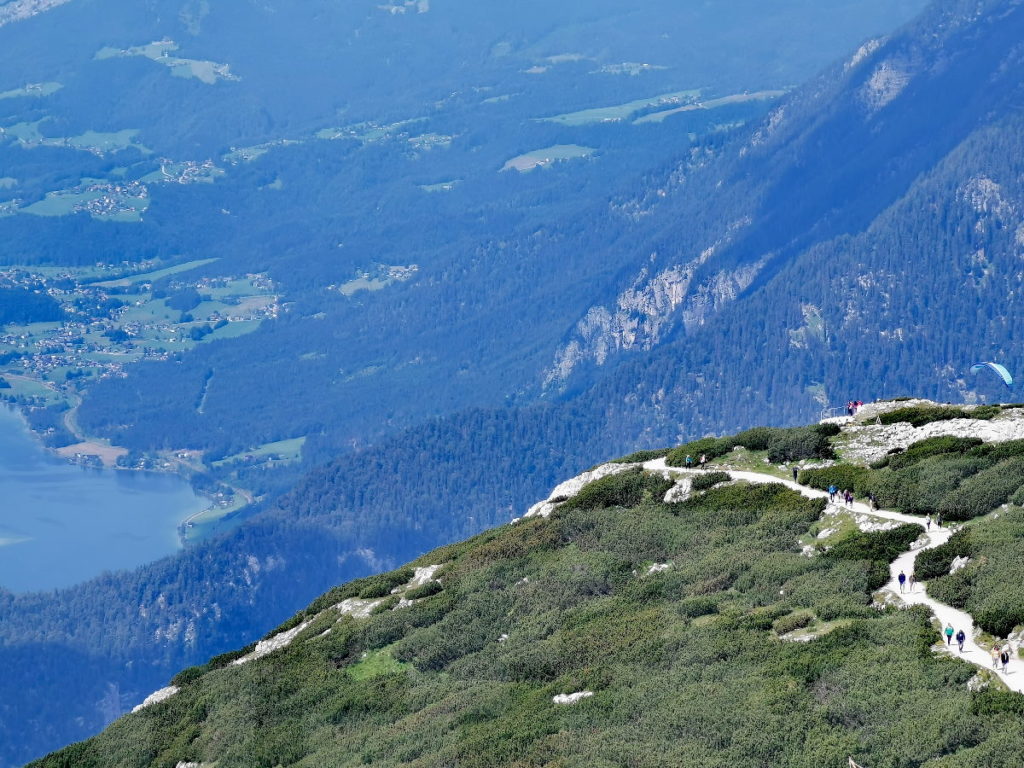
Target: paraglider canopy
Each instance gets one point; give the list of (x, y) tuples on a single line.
[(999, 369)]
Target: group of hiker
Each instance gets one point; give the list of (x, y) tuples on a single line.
[(852, 406), (1000, 654), (845, 497)]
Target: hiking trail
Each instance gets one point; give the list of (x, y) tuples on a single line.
[(946, 614)]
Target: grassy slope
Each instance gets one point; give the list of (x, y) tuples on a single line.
[(685, 665)]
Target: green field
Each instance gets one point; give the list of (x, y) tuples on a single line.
[(248, 154), (367, 133), (33, 89), (188, 172), (103, 201), (148, 277), (22, 387), (208, 72), (98, 142), (442, 186), (539, 158), (736, 98), (211, 520), (285, 450), (353, 287), (621, 111), (631, 68)]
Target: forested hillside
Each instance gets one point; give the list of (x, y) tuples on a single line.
[(648, 619)]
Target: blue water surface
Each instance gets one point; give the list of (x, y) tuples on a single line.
[(61, 524)]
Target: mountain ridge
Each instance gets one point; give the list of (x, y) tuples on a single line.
[(470, 652)]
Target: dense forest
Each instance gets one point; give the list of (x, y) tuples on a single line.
[(23, 306)]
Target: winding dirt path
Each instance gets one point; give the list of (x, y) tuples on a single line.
[(946, 614)]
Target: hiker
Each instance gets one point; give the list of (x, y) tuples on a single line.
[(960, 637), (994, 653), (872, 504), (902, 579), (949, 633), (832, 490), (1004, 657), (689, 461), (912, 581), (703, 460), (938, 521), (928, 523), (796, 471), (848, 497)]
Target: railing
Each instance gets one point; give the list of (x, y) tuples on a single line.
[(831, 413)]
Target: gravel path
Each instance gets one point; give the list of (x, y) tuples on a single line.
[(946, 614)]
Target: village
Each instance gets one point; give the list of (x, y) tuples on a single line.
[(112, 321)]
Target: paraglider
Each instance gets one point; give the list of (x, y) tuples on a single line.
[(999, 369)]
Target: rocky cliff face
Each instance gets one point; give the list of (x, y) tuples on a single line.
[(18, 10)]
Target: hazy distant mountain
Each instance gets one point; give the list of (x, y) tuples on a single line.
[(865, 240)]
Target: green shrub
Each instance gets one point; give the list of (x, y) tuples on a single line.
[(385, 605), (188, 675), (709, 480), (289, 623), (625, 489), (224, 659), (919, 415), (802, 443), (989, 702), (642, 456), (1000, 613), (710, 447), (878, 574), (933, 563), (792, 622), (921, 487), (758, 438), (841, 475), (424, 590), (875, 545), (999, 451), (985, 491), (381, 586), (932, 446), (1018, 498), (701, 605)]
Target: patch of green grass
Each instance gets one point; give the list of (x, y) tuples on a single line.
[(621, 111), (540, 158), (156, 274), (723, 101), (212, 520), (283, 450), (36, 90), (208, 72), (375, 664)]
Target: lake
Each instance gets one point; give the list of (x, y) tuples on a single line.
[(61, 524)]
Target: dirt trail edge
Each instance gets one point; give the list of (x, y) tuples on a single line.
[(946, 614)]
